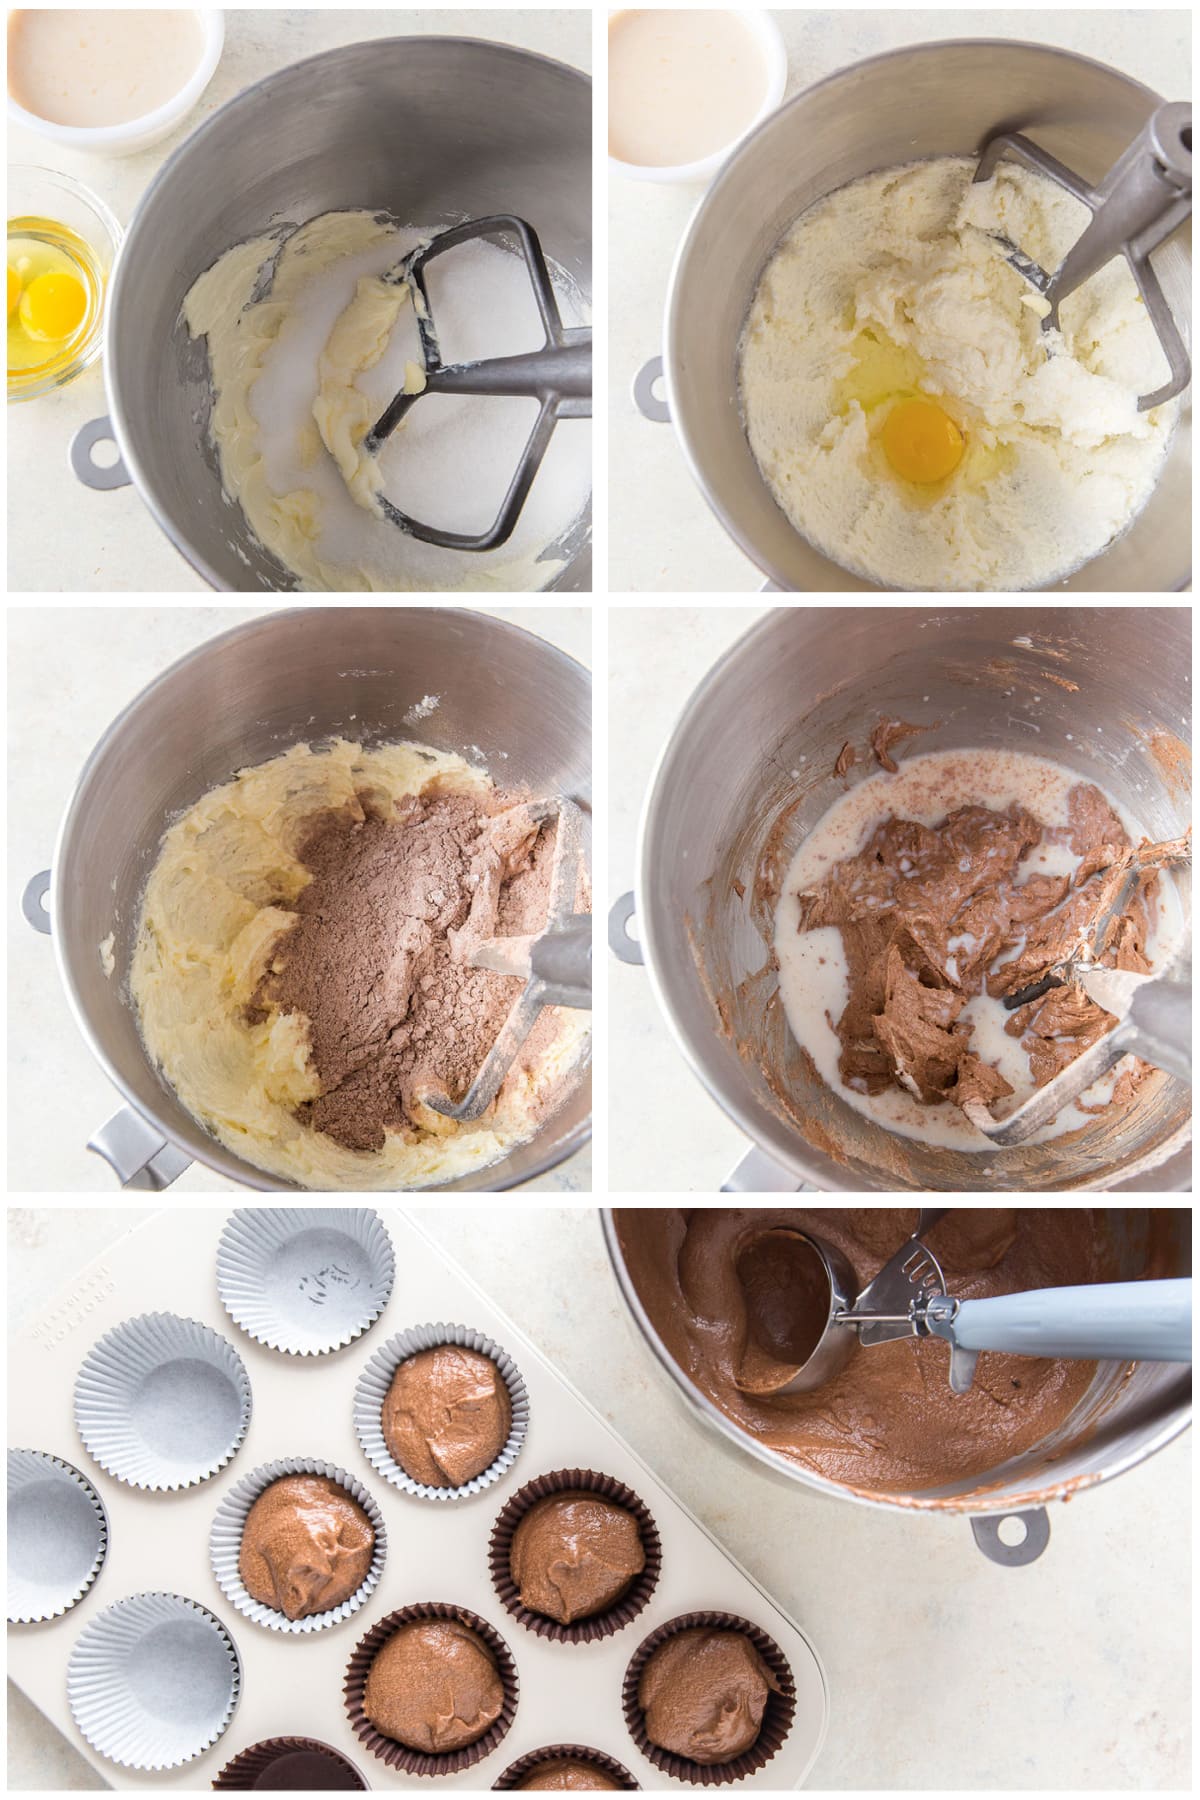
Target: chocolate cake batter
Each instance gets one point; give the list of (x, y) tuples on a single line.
[(888, 1421), (447, 1415), (306, 1546), (574, 1555), (434, 1686), (567, 1775), (933, 916), (703, 1694), (378, 960)]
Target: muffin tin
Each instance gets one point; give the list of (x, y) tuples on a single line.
[(304, 1406)]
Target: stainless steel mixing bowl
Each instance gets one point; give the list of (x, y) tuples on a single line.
[(1119, 1422), (506, 698), (431, 130), (749, 769), (933, 100)]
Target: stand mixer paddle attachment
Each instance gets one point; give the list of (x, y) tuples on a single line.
[(1149, 1321), (558, 376), (1144, 197), (555, 963)]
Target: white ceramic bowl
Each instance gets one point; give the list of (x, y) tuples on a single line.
[(770, 39), (136, 134)]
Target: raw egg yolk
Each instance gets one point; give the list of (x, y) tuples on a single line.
[(14, 290), (921, 442), (53, 306)]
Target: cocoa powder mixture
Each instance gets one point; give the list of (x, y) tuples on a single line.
[(925, 912), (378, 960)]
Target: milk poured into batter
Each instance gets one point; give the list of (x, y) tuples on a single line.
[(813, 966)]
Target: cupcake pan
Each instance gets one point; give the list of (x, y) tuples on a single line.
[(305, 1280), (376, 1379), (293, 1685), (225, 1544), (57, 1536)]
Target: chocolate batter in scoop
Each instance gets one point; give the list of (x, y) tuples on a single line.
[(306, 1546), (931, 916), (888, 1422), (703, 1694), (379, 959)]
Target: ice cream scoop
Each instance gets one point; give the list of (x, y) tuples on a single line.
[(1131, 1320)]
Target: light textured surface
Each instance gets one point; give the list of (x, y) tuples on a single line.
[(944, 1670), (101, 658), (656, 657), (663, 537), (62, 536)]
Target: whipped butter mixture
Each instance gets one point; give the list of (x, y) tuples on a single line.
[(308, 343), (908, 412), (302, 970), (928, 894)]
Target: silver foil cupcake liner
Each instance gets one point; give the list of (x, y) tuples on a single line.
[(225, 1544), (611, 1618), (428, 1762), (533, 1760), (777, 1717), (162, 1402), (57, 1536), (297, 1764), (376, 1379), (305, 1280), (154, 1681)]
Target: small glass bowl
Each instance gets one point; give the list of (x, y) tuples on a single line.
[(45, 194)]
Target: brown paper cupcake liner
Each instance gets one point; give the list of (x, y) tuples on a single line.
[(617, 1616), (525, 1765), (246, 1769), (399, 1756), (777, 1719)]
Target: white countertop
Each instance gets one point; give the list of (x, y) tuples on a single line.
[(663, 537), (944, 1670), (64, 538), (94, 660)]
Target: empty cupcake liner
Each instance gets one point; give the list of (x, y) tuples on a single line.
[(153, 1681), (162, 1402), (305, 1280), (777, 1719), (533, 1760), (376, 1379), (225, 1544), (399, 1756), (57, 1536), (295, 1764), (600, 1625)]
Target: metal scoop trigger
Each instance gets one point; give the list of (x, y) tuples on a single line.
[(1144, 197), (559, 375)]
